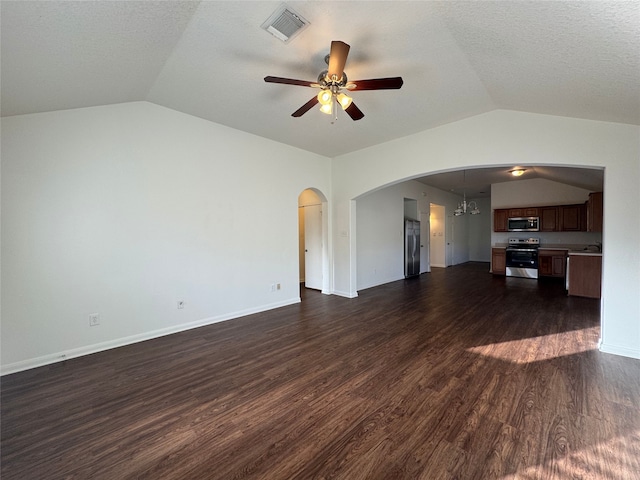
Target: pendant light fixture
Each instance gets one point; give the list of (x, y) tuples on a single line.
[(471, 208)]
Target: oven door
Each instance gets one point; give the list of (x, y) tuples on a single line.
[(522, 257)]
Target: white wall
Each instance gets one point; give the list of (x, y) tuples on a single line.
[(479, 229), (380, 227), (122, 210), (504, 138)]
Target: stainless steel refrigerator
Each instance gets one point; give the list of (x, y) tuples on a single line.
[(411, 248)]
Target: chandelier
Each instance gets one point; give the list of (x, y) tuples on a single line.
[(471, 208)]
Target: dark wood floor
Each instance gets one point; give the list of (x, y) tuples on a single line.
[(454, 375)]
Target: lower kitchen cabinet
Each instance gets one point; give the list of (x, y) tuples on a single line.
[(498, 261), (551, 263), (585, 275)]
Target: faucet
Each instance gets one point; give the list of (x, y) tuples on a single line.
[(598, 245)]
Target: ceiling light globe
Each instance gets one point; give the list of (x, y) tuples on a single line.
[(325, 97), (327, 109), (344, 100)]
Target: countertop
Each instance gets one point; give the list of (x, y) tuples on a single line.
[(570, 249), (573, 249)]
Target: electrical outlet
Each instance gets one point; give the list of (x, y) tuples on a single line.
[(94, 319), (180, 304)]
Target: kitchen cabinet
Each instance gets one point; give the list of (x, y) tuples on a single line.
[(551, 263), (549, 219), (498, 261), (500, 220), (557, 218), (585, 275), (573, 218), (594, 212), (524, 212)]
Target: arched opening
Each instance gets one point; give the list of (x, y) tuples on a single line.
[(313, 253), (451, 240)]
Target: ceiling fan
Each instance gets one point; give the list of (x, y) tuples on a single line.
[(333, 81)]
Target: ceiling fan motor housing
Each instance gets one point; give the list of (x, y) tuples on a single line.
[(325, 81)]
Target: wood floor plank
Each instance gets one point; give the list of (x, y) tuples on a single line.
[(455, 374)]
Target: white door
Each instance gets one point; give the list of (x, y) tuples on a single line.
[(451, 239), (313, 246), (424, 243)]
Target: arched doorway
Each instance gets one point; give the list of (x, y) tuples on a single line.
[(313, 240)]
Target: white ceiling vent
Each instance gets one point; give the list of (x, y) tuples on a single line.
[(285, 23)]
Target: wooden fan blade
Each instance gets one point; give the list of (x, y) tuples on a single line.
[(305, 108), (354, 112), (337, 59), (289, 81), (390, 83)]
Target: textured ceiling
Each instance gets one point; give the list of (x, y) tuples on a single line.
[(208, 59)]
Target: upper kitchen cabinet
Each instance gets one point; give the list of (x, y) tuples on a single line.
[(549, 219), (594, 212), (500, 220), (573, 218), (524, 212), (556, 218)]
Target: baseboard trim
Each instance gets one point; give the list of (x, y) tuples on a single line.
[(617, 350), (345, 294), (121, 342)]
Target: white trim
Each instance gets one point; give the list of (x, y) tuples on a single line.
[(617, 350), (345, 294), (382, 282), (121, 342)]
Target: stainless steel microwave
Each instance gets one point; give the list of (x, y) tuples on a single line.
[(523, 224)]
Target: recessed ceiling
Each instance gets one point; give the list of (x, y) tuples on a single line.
[(208, 59)]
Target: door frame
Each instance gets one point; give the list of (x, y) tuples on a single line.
[(317, 197)]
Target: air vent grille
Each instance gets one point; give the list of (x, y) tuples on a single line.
[(285, 24)]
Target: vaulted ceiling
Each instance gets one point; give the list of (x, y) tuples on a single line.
[(208, 59)]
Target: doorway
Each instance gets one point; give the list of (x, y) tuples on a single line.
[(312, 244), (437, 237)]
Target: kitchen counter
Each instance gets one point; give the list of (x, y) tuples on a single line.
[(584, 274), (572, 249)]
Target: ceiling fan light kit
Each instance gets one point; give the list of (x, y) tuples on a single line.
[(333, 80)]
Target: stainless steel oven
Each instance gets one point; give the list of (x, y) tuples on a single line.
[(522, 257)]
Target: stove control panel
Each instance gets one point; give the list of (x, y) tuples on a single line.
[(532, 241)]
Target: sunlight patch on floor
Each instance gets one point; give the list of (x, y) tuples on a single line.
[(536, 349), (615, 458)]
